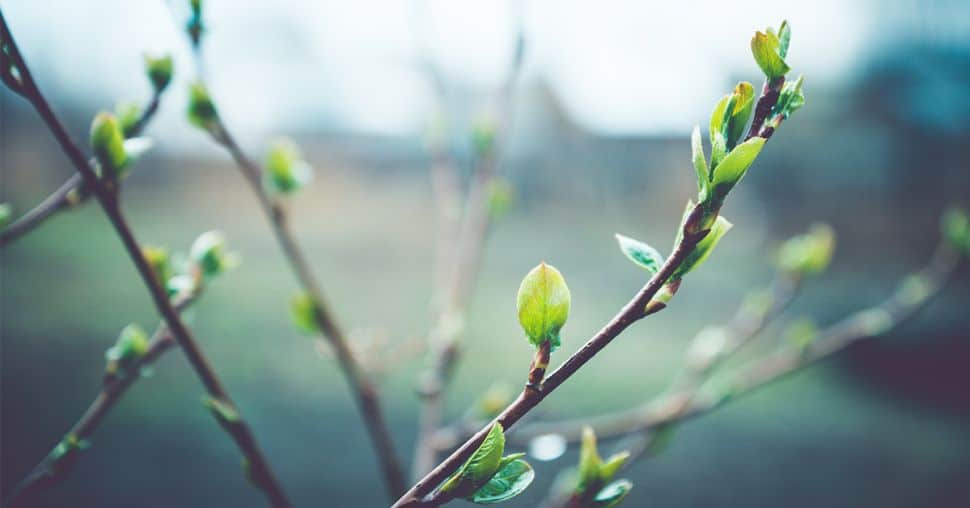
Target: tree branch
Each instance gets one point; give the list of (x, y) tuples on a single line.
[(71, 193), (457, 266), (261, 474)]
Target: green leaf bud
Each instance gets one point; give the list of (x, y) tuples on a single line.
[(128, 113), (769, 52), (159, 261), (108, 144), (742, 103), (480, 467), (131, 345), (303, 313), (956, 229), (159, 70), (641, 254), (286, 171), (209, 253), (543, 304), (808, 254), (6, 214), (594, 472), (613, 494), (704, 248), (700, 163), (202, 111)]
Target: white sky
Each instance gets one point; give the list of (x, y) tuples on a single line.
[(621, 67)]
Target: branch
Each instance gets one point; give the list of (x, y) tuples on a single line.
[(71, 193), (364, 391), (53, 469), (633, 311), (259, 469), (914, 294), (455, 274)]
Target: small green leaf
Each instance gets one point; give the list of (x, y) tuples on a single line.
[(108, 145), (784, 37), (790, 100), (704, 248), (613, 494), (512, 478), (612, 465), (743, 103), (6, 214), (640, 253), (500, 197), (700, 163), (956, 229), (303, 312), (286, 171), (543, 303), (128, 114), (718, 138), (766, 48), (159, 70), (589, 462), (209, 253), (63, 455), (729, 171), (809, 253), (194, 26), (202, 111), (224, 412), (480, 466), (131, 345), (158, 259)]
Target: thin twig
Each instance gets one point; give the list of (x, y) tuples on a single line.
[(71, 193), (530, 397), (676, 407), (259, 469), (457, 260), (44, 475)]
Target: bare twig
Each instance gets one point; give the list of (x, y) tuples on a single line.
[(50, 471), (259, 468), (457, 259), (633, 311), (914, 294), (363, 388), (71, 193)]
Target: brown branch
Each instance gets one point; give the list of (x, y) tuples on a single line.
[(530, 397), (364, 391), (71, 193), (458, 256), (47, 473), (261, 473), (676, 407)]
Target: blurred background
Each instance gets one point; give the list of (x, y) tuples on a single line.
[(598, 144)]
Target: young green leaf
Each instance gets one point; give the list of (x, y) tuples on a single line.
[(512, 478), (640, 253), (286, 171), (767, 51), (131, 345), (209, 253), (224, 412), (480, 467), (718, 137), (543, 303), (160, 262), (159, 70), (729, 171), (808, 254), (202, 111), (613, 494), (790, 100), (704, 248), (593, 472), (108, 144), (303, 312), (956, 229), (6, 214), (700, 163), (784, 37), (128, 114), (743, 103)]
